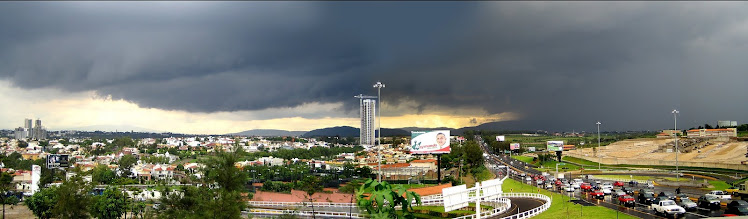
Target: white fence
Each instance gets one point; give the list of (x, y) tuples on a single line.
[(504, 204), (269, 213), (531, 212), (300, 204)]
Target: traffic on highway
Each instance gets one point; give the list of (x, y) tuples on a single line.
[(644, 200)]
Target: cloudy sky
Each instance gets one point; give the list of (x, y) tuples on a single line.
[(220, 67)]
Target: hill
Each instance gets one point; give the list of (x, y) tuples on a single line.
[(268, 132), (347, 131)]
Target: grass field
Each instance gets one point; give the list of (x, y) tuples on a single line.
[(549, 166), (560, 207), (719, 185), (624, 177)]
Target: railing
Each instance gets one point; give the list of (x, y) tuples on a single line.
[(300, 204), (532, 212), (505, 204), (325, 214)]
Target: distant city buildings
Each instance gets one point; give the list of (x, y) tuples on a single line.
[(28, 132), (366, 133)]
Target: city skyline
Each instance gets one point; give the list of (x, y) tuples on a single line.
[(226, 67)]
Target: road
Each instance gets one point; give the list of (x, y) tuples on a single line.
[(640, 210)]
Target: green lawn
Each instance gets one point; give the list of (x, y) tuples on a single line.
[(549, 166), (624, 177), (719, 185), (525, 159), (579, 161), (560, 207)]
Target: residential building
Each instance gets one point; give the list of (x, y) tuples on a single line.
[(367, 112)]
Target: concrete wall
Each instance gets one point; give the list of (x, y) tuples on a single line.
[(649, 162)]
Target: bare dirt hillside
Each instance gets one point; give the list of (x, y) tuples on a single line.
[(729, 152)]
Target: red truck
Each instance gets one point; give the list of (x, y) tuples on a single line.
[(598, 194), (585, 187), (626, 200)]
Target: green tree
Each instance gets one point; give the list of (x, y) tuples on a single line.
[(73, 199), (110, 205), (374, 202), (227, 200), (311, 184), (42, 202), (6, 184), (101, 174), (186, 202), (126, 162)]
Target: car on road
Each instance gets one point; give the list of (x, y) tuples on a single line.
[(668, 195), (737, 207), (667, 207), (628, 190), (598, 194), (709, 201), (585, 187), (650, 185), (646, 191), (626, 200), (617, 192), (681, 197), (687, 204), (720, 194), (732, 190), (569, 188), (618, 183), (646, 198)]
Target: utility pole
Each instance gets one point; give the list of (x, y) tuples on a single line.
[(379, 87), (599, 158), (675, 118)]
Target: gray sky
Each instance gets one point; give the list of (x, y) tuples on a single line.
[(232, 66)]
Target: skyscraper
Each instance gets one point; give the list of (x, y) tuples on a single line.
[(28, 128), (367, 112)]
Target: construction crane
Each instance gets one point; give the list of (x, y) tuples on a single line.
[(361, 96)]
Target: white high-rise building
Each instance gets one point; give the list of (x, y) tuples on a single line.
[(367, 112)]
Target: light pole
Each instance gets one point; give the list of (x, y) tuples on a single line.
[(379, 87), (675, 133), (599, 158)]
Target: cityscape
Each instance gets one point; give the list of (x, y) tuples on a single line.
[(460, 109)]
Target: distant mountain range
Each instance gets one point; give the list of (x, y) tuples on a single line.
[(347, 131), (269, 132), (114, 128)]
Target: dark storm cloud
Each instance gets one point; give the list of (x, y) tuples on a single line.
[(559, 65)]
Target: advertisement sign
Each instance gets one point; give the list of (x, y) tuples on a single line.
[(555, 145), (57, 161), (499, 138), (531, 149), (514, 146), (429, 142)]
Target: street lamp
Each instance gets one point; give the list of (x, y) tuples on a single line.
[(675, 133), (599, 158), (379, 87)]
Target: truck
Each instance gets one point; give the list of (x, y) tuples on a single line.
[(668, 208)]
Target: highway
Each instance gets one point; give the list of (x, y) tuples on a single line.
[(640, 210)]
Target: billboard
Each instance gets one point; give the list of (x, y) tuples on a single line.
[(429, 142), (499, 138), (555, 145), (57, 161), (727, 123), (531, 149), (514, 146)]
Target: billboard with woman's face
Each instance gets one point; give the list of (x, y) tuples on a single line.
[(429, 142)]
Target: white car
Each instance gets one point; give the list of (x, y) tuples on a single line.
[(720, 195), (568, 188), (576, 185), (606, 191)]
